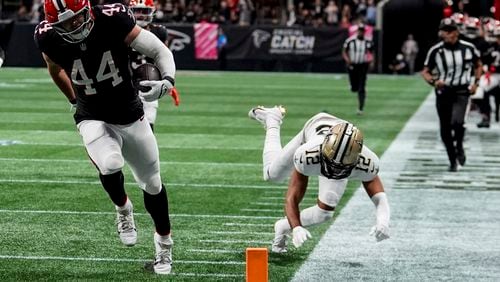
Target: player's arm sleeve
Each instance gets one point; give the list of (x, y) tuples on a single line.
[(149, 45)]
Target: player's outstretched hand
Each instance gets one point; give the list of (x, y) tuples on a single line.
[(380, 231), (158, 89), (300, 235)]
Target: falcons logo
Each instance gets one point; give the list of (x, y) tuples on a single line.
[(259, 37)]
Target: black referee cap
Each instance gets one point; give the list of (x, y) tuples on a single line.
[(448, 24)]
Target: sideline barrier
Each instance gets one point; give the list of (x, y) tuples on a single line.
[(256, 48)]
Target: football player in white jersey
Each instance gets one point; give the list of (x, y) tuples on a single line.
[(327, 147)]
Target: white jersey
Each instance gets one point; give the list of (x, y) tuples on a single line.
[(307, 157)]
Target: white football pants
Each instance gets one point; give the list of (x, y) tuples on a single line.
[(150, 110), (108, 145)]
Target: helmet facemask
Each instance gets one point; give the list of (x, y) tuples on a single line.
[(143, 15), (74, 27), (340, 151)]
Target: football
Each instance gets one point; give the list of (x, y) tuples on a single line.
[(145, 71)]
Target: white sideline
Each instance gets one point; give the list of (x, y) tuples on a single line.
[(436, 234)]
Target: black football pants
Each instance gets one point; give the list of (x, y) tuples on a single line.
[(451, 104), (357, 78)]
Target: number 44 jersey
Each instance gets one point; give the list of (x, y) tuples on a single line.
[(98, 66), (307, 157)]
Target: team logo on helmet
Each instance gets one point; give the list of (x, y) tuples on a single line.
[(340, 151), (70, 19)]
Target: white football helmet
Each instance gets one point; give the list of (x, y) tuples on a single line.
[(143, 11)]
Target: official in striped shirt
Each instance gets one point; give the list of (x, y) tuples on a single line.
[(358, 54), (453, 68)]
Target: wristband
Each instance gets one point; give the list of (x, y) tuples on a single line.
[(170, 79), (432, 81), (72, 101)]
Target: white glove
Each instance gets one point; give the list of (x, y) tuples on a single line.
[(158, 89), (380, 231), (300, 235)]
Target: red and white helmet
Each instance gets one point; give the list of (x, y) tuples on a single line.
[(143, 11), (472, 27), (70, 18)]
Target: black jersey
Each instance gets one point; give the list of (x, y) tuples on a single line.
[(98, 66), (136, 58), (492, 58)]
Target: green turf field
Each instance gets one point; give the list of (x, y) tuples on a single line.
[(57, 224)]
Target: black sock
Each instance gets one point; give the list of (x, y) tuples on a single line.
[(157, 206), (114, 184)]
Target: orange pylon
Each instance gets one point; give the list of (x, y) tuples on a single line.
[(257, 267)]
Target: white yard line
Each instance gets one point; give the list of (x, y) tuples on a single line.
[(187, 185), (261, 210), (137, 214), (162, 162), (236, 242), (117, 260), (241, 232), (218, 251), (246, 224), (222, 147)]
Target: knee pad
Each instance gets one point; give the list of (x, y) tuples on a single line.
[(329, 198), (153, 185), (314, 215), (273, 177), (113, 163)]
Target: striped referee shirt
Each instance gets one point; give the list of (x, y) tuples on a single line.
[(454, 65), (358, 49)]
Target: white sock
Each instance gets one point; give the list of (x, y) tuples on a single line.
[(164, 239), (308, 217), (272, 149), (282, 227), (125, 208)]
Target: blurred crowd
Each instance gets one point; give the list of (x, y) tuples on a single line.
[(239, 12)]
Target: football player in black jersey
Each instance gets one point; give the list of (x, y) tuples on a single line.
[(86, 51)]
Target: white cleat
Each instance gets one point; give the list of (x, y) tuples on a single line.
[(261, 114), (126, 227), (163, 257), (280, 239)]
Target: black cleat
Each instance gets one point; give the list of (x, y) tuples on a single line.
[(461, 156), (453, 168), (484, 124)]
